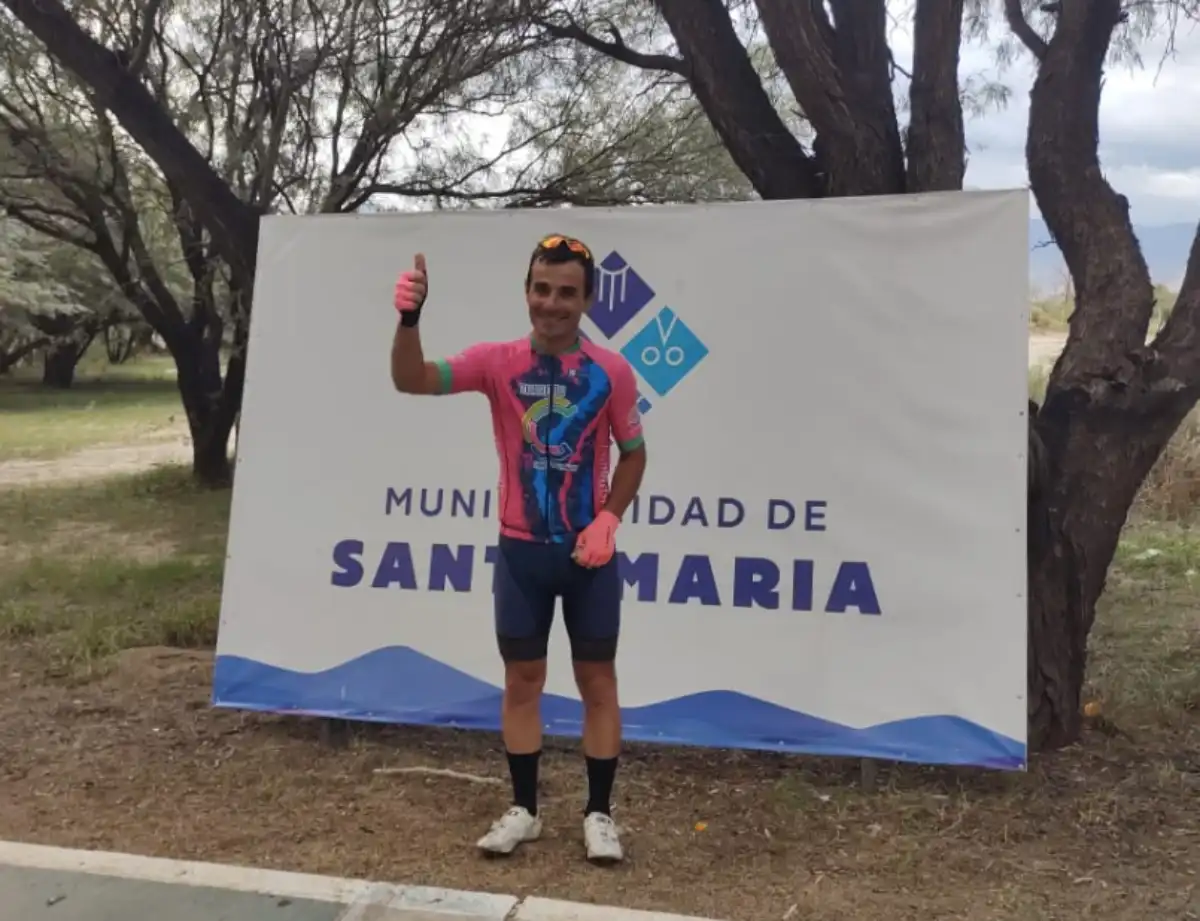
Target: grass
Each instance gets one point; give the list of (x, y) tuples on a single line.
[(109, 404), (90, 570), (1145, 648)]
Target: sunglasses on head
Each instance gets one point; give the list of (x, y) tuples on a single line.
[(575, 246)]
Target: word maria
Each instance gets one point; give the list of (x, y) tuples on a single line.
[(693, 511), (749, 582)]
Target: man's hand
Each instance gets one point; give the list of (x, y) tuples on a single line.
[(411, 290), (597, 542)]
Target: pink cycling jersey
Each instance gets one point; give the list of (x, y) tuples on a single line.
[(555, 418)]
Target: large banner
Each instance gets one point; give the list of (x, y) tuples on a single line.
[(828, 552)]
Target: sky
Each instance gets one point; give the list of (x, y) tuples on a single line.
[(1149, 128), (1149, 123)]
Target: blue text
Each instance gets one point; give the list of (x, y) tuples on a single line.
[(756, 582)]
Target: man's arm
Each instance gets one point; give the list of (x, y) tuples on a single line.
[(462, 373), (411, 373), (627, 480), (631, 441)]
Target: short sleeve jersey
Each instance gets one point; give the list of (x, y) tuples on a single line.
[(555, 419)]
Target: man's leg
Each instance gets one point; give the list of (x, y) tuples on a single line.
[(524, 611), (521, 721), (592, 614)]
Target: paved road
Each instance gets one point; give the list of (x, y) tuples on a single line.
[(55, 895), (39, 883), (31, 894)]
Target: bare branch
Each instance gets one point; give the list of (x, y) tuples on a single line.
[(1023, 30), (144, 36), (616, 48)]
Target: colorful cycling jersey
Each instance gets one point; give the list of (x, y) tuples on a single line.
[(554, 418)]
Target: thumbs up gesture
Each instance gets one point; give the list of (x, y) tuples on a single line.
[(411, 289)]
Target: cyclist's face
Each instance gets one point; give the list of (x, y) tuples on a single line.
[(556, 299)]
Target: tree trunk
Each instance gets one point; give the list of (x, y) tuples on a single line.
[(59, 361), (62, 356), (729, 90), (211, 405), (936, 136), (1112, 402), (1100, 452), (211, 465), (212, 402)]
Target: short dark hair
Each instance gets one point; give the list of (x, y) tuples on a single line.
[(563, 252)]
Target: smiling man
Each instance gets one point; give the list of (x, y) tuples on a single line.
[(558, 403)]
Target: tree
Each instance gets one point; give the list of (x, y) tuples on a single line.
[(234, 111), (1112, 402), (589, 133), (52, 302)]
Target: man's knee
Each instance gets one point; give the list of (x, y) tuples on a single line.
[(597, 683), (523, 681), (589, 651), (522, 650)]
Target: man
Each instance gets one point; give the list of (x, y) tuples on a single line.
[(555, 399)]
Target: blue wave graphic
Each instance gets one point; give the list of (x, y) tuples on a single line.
[(397, 684)]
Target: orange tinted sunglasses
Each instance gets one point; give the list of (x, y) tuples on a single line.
[(557, 240)]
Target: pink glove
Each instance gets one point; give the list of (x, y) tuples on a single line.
[(597, 542), (410, 292)]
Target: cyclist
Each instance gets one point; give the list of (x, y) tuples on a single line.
[(558, 401)]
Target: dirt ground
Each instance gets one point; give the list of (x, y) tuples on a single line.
[(139, 761), (1044, 348), (172, 446)]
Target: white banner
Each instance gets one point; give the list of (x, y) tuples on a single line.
[(828, 552)]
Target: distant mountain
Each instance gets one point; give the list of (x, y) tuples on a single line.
[(1165, 247)]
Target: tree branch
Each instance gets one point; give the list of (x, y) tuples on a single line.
[(1023, 30), (1179, 338), (615, 49), (840, 73), (1088, 219), (731, 93), (144, 36)]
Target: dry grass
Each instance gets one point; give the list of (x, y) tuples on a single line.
[(1050, 314), (110, 742), (1172, 490)]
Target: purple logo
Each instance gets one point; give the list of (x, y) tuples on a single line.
[(620, 295)]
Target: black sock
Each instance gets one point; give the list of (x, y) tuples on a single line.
[(524, 772), (601, 773)]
